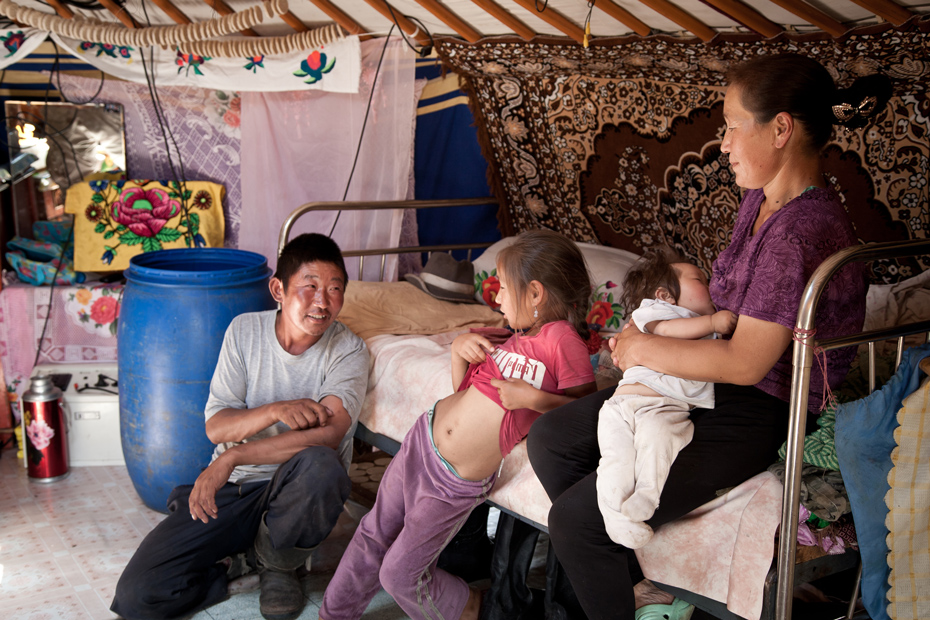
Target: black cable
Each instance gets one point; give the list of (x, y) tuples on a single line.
[(358, 149), (103, 79), (544, 6), (51, 295), (403, 35)]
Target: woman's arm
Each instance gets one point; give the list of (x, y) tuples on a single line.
[(743, 360)]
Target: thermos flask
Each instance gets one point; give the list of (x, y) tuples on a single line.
[(45, 433)]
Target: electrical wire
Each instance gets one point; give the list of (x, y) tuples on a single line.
[(358, 148), (51, 296), (103, 79)]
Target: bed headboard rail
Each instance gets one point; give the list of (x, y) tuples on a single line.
[(284, 235), (804, 347)]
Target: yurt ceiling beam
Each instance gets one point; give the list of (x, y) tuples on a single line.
[(172, 11), (624, 17), (224, 9), (120, 13), (504, 17), (339, 16), (749, 17), (451, 20), (682, 18), (887, 10), (395, 16), (61, 9), (813, 16), (291, 20), (554, 19)]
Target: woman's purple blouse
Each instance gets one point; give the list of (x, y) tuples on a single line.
[(764, 275)]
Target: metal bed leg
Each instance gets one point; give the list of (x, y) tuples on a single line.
[(850, 612)]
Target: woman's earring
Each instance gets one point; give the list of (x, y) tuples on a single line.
[(535, 313)]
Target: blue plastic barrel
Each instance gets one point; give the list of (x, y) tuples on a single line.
[(175, 310)]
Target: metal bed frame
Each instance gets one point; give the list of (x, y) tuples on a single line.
[(785, 573)]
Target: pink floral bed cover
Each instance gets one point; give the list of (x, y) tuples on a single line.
[(722, 550)]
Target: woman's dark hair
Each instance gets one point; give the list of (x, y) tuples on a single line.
[(308, 248), (654, 270), (556, 263), (803, 88)]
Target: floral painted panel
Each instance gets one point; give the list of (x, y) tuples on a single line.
[(116, 220), (619, 144)]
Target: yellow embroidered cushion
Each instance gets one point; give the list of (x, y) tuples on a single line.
[(116, 220)]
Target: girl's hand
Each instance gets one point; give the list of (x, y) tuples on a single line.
[(723, 322), (471, 347), (516, 393)]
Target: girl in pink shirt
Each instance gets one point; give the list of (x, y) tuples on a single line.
[(449, 460)]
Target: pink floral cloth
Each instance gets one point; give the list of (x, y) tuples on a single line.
[(82, 328)]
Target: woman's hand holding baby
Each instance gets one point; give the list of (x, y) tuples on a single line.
[(723, 322)]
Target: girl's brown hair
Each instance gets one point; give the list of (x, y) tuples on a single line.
[(654, 270), (556, 263)]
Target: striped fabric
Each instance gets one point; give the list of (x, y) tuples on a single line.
[(908, 502), (25, 80)]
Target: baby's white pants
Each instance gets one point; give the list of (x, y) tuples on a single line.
[(639, 438)]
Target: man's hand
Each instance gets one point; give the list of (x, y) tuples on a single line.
[(202, 501), (302, 413), (516, 393), (723, 322), (471, 347)]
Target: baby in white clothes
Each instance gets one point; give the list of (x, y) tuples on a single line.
[(645, 424)]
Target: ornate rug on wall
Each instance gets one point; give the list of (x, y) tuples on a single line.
[(619, 144)]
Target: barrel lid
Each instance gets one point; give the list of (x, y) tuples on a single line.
[(41, 389), (202, 267)]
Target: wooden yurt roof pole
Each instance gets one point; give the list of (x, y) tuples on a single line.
[(749, 17), (451, 20), (813, 16), (624, 17), (554, 19), (886, 9), (291, 20), (172, 11), (339, 16), (61, 9), (682, 18), (402, 22), (504, 17), (224, 9), (120, 12)]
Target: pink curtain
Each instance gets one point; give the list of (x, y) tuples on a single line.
[(299, 147)]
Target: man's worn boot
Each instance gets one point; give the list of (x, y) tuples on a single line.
[(281, 597)]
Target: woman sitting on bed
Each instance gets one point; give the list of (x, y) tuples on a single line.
[(779, 113)]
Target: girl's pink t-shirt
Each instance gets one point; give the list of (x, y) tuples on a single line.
[(553, 360)]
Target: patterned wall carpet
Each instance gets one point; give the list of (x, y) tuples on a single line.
[(619, 144)]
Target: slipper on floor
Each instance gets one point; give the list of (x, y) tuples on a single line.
[(678, 610)]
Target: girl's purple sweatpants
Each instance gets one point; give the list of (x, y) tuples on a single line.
[(421, 505)]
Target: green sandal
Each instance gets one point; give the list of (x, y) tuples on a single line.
[(678, 610)]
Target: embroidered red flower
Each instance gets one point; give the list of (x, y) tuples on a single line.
[(104, 310), (231, 118), (145, 211), (203, 199), (93, 213), (489, 290), (600, 313)]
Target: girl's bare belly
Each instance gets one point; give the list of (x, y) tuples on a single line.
[(466, 430)]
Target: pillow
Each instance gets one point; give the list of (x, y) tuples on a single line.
[(376, 308), (608, 267)]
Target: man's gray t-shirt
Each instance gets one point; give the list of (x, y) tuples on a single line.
[(254, 370)]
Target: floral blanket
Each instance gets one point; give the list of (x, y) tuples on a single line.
[(116, 220)]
